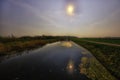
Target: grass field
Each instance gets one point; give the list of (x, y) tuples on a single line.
[(109, 56)]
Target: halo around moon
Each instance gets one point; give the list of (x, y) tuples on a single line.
[(70, 9)]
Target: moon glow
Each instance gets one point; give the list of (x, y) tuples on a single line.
[(70, 9)]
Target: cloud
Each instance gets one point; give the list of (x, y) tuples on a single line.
[(36, 12)]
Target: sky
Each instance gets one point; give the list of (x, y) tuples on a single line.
[(82, 18)]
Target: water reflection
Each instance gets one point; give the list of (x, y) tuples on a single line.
[(14, 54), (70, 66), (67, 44)]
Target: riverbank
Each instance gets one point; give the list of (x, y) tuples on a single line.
[(17, 45), (109, 56)]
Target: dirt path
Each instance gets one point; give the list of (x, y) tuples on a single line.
[(109, 44)]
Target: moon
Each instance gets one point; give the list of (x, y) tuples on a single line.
[(70, 9)]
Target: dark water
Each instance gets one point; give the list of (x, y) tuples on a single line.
[(56, 61)]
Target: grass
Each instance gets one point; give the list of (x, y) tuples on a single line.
[(9, 45), (97, 72), (109, 56)]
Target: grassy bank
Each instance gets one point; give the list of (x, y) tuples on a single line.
[(10, 45), (109, 56)]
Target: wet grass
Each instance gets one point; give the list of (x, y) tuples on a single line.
[(94, 70), (97, 72), (109, 56)]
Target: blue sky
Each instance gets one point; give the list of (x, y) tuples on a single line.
[(92, 18)]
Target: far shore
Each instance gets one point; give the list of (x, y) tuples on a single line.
[(9, 45)]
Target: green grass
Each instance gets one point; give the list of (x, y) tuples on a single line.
[(109, 56)]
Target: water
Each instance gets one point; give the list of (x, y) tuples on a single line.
[(56, 61)]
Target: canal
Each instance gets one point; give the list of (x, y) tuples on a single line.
[(56, 61)]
